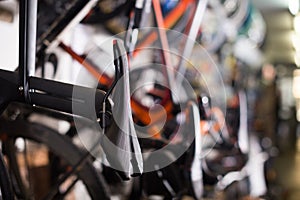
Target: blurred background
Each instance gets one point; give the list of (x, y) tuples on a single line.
[(266, 52), (281, 49)]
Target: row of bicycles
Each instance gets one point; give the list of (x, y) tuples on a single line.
[(155, 106)]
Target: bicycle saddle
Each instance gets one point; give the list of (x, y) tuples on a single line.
[(120, 143)]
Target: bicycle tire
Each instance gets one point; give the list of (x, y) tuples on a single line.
[(60, 145), (5, 184)]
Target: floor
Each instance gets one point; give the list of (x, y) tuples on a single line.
[(287, 166)]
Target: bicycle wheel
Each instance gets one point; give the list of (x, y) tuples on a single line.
[(5, 185), (64, 155)]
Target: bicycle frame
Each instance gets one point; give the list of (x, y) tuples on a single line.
[(140, 111), (21, 86)]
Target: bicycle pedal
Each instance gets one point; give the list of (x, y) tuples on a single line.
[(6, 15)]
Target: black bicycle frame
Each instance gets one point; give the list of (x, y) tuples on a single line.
[(21, 86), (59, 25)]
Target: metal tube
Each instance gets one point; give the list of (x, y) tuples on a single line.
[(51, 38), (22, 46), (31, 36), (191, 38), (27, 40)]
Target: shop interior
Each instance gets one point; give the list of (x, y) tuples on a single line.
[(150, 99)]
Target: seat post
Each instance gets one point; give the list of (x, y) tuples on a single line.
[(27, 44)]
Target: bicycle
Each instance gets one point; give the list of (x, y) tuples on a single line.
[(22, 87), (140, 115), (239, 154), (162, 97)]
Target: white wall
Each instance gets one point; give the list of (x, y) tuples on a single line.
[(9, 41)]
